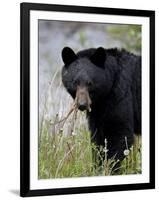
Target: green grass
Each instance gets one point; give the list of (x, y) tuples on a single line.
[(63, 155)]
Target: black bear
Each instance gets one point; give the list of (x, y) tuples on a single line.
[(107, 84)]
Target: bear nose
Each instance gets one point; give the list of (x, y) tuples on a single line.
[(82, 106)]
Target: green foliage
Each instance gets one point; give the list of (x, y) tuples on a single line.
[(65, 156), (71, 156), (129, 35)]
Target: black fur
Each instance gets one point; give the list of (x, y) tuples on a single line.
[(115, 92)]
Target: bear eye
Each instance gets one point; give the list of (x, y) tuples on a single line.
[(75, 82), (89, 83)]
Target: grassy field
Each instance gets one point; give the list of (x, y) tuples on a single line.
[(70, 155)]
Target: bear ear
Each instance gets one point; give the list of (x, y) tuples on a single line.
[(98, 58), (68, 55)]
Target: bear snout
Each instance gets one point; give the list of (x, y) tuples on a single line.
[(83, 100)]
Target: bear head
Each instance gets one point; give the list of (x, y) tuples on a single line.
[(84, 77)]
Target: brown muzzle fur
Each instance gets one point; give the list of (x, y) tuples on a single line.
[(83, 100)]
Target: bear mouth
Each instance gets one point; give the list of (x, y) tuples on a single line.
[(84, 108)]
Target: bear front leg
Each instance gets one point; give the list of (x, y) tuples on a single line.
[(117, 146), (118, 149), (119, 128)]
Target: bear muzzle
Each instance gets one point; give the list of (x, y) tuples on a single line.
[(82, 99)]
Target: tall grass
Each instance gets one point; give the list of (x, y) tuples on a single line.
[(65, 150), (71, 156)]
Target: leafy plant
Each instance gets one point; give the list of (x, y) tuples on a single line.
[(129, 35)]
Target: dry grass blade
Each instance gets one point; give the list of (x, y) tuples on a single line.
[(73, 108)]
